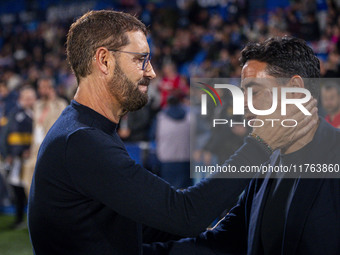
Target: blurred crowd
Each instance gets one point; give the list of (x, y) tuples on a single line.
[(186, 41)]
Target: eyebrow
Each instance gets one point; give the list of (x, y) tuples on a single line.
[(141, 55), (251, 84)]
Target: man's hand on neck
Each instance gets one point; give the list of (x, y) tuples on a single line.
[(303, 141)]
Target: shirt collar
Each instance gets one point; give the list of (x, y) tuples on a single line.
[(94, 119)]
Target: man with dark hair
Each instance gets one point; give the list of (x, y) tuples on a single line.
[(279, 213), (87, 195), (330, 99), (286, 57)]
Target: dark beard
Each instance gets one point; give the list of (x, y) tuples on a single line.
[(126, 92)]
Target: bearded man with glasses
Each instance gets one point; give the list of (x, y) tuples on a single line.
[(87, 195)]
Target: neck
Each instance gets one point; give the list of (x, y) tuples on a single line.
[(94, 94), (300, 143)]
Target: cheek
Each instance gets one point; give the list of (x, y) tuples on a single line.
[(263, 100), (136, 76), (132, 73)]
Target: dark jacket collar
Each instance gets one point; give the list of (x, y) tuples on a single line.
[(94, 119), (324, 140)]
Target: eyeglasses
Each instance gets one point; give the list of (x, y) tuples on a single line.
[(144, 60)]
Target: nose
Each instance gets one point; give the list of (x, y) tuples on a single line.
[(245, 96), (150, 72)]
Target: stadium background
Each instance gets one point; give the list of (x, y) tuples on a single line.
[(187, 39)]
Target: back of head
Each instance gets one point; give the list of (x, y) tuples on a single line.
[(95, 29), (286, 57)]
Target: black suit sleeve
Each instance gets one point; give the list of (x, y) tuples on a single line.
[(229, 236), (151, 235), (102, 170)]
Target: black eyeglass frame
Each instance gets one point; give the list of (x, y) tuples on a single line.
[(145, 61)]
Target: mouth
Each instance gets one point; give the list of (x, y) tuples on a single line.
[(143, 85), (143, 88)]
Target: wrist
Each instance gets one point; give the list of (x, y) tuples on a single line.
[(265, 146)]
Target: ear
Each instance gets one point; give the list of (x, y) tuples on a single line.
[(296, 82), (104, 60)]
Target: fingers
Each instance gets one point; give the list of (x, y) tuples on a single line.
[(311, 104), (281, 137), (306, 119), (298, 115), (304, 130), (306, 124)]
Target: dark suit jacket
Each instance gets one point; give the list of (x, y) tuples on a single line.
[(312, 225)]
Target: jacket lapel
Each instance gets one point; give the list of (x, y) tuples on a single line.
[(307, 189), (258, 202), (305, 194)]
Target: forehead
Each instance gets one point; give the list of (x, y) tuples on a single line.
[(254, 69), (254, 74), (44, 83), (27, 92), (137, 42)]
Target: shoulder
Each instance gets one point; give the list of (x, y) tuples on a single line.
[(328, 146), (93, 139), (334, 137), (96, 149), (336, 142), (16, 109), (85, 134)]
